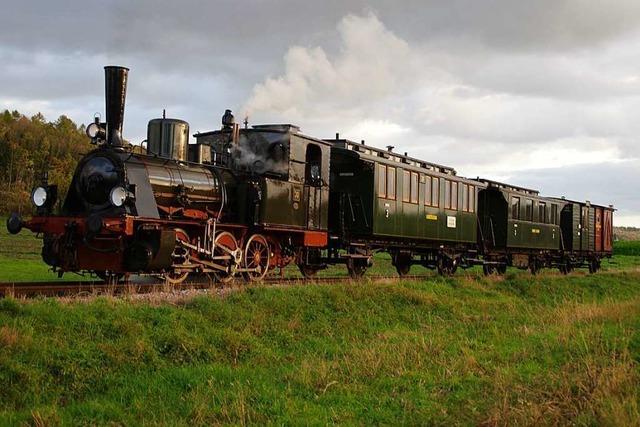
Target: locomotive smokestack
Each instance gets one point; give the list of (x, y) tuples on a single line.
[(115, 87)]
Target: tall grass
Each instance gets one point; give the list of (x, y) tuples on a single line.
[(629, 247), (466, 350)]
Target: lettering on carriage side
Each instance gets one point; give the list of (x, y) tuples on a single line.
[(451, 221), (346, 173), (296, 195), (535, 230), (432, 217)]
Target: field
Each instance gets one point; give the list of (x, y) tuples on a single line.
[(466, 350)]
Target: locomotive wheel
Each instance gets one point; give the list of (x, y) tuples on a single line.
[(225, 245), (256, 255), (179, 256)]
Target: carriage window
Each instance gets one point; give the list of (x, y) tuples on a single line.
[(382, 181), (414, 187), (454, 196), (427, 191), (447, 194), (406, 186), (391, 183), (472, 198), (465, 197), (542, 212), (528, 209), (515, 207), (554, 214), (435, 192)]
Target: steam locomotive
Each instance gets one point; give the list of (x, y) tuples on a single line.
[(246, 201)]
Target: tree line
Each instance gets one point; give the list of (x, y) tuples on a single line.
[(30, 146)]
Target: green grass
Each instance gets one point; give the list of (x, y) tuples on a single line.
[(627, 248), (20, 258), (467, 350)]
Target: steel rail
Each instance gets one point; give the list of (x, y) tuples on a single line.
[(71, 288)]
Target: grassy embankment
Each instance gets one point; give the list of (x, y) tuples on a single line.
[(546, 350)]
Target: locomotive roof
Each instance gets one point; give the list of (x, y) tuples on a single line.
[(284, 128)]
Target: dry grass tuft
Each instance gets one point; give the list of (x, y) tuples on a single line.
[(9, 337)]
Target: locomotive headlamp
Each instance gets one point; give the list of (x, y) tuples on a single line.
[(39, 196), (95, 131), (118, 196)]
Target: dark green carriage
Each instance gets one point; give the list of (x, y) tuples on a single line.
[(393, 198), (419, 212), (517, 218), (587, 232)]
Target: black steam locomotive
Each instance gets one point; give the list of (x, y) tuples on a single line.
[(244, 201)]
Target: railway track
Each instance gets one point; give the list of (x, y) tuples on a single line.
[(71, 288)]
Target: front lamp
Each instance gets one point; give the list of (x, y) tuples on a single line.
[(39, 196), (94, 131), (118, 196)]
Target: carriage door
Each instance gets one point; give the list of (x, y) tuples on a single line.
[(313, 185), (598, 229), (584, 229)]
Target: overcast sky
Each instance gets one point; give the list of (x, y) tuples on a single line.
[(543, 94)]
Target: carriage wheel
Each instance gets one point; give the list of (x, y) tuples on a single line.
[(488, 269), (308, 271), (356, 267), (180, 256), (402, 263), (534, 267), (225, 245), (446, 266), (256, 255), (501, 269)]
